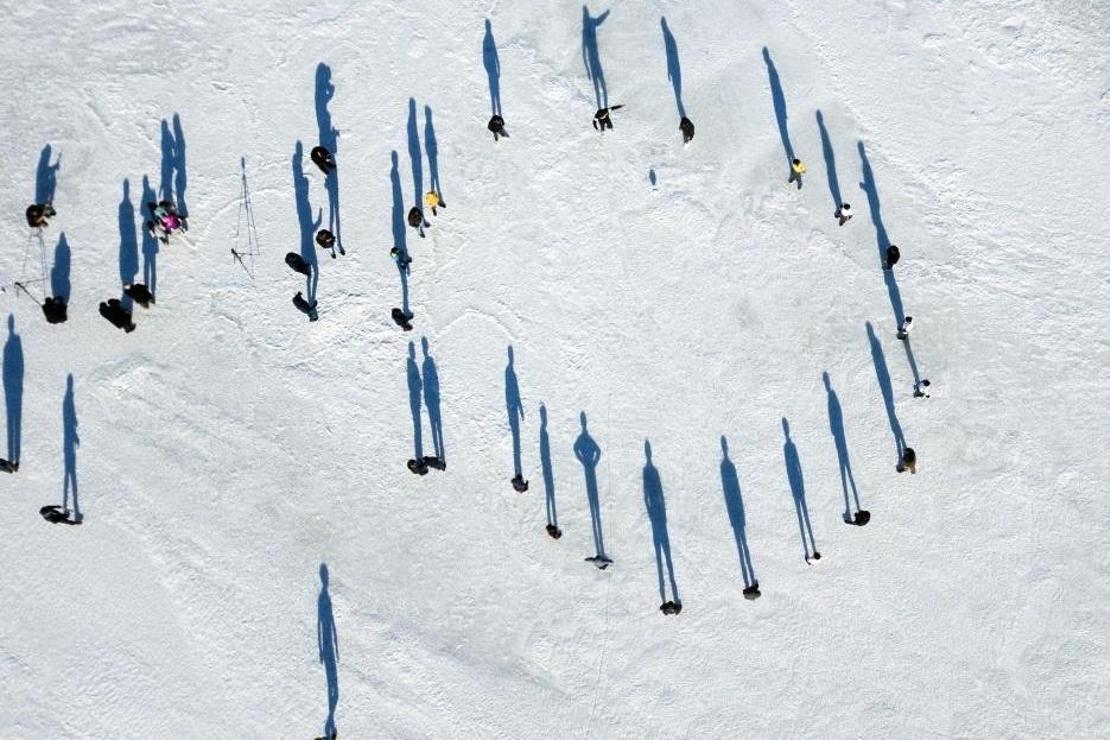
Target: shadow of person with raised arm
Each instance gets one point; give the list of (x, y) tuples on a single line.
[(150, 242), (128, 243), (327, 644), (399, 240), (674, 74), (657, 513), (548, 477), (329, 139), (836, 426), (13, 391), (492, 64), (432, 400), (416, 387), (588, 454), (778, 98), (308, 225), (415, 157), (70, 442), (883, 376), (734, 503), (46, 176), (591, 58), (798, 491), (868, 187), (515, 409), (830, 162), (432, 148), (181, 176)]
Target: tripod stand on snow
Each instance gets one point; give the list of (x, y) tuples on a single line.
[(246, 243)]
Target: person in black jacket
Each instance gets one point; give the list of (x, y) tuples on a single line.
[(497, 127), (686, 126), (119, 317), (37, 214), (892, 257), (55, 310), (322, 158)]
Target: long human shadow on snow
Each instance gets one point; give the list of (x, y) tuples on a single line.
[(589, 454), (169, 158), (674, 68), (327, 644), (883, 241), (591, 57), (308, 225), (778, 98), (416, 386), (13, 389), (398, 220), (798, 491), (830, 162), (548, 473), (59, 273), (46, 176), (432, 400), (150, 242), (515, 409), (885, 387), (128, 243), (415, 156), (329, 139), (657, 512), (492, 64), (70, 442), (180, 176), (836, 427), (432, 148), (734, 504)]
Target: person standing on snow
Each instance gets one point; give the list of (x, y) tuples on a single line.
[(908, 461), (432, 199), (497, 127), (892, 257), (416, 220), (904, 329), (38, 213), (686, 126), (602, 119), (797, 169), (844, 213)]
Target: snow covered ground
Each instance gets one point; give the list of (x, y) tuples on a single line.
[(228, 447)]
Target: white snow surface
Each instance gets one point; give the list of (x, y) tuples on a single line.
[(229, 447)]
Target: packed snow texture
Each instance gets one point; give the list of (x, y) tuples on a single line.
[(228, 447)]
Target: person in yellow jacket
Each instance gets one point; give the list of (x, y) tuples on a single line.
[(797, 169), (432, 199)]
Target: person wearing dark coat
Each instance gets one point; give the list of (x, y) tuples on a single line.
[(298, 264), (416, 220), (325, 239), (892, 257), (908, 462), (8, 467), (140, 294), (55, 310), (497, 127), (419, 467), (37, 214), (309, 309), (322, 158), (117, 315), (686, 126), (402, 319), (602, 119), (57, 515)]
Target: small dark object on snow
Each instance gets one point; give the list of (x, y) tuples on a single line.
[(417, 466), (37, 214), (8, 467), (435, 462), (671, 607), (56, 515), (601, 562), (860, 518), (416, 220), (908, 462), (751, 593), (55, 310), (322, 159), (602, 119), (816, 556), (325, 239), (402, 319), (892, 257), (519, 484), (309, 309), (140, 294), (497, 126), (554, 531), (298, 264), (119, 317), (686, 126), (917, 392)]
